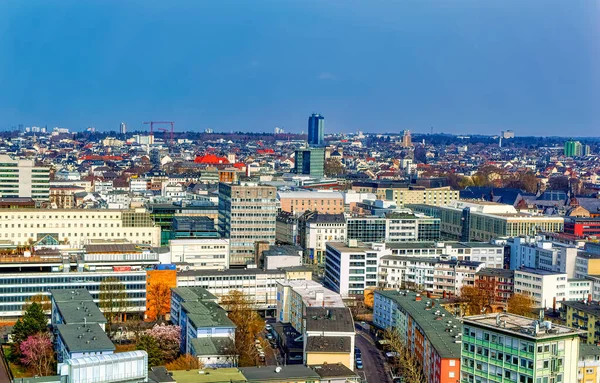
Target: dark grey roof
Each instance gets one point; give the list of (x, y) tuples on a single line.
[(326, 218), (282, 250), (295, 372), (588, 351), (330, 344), (80, 312), (333, 370), (194, 294), (491, 272), (209, 346), (70, 295), (592, 308), (338, 319), (84, 338), (159, 375)]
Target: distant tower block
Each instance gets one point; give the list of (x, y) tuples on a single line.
[(316, 130), (123, 128)]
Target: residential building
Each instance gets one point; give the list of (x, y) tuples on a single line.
[(164, 215), (573, 148), (329, 336), (260, 285), (316, 130), (511, 348), (206, 331), (401, 272), (77, 341), (294, 297), (548, 288), (310, 161), (75, 306), (583, 314), (298, 202), (246, 214), (490, 254), (63, 197), (500, 282), (419, 195), (22, 178), (542, 254), (352, 267), (484, 221), (200, 254), (286, 229), (588, 364), (316, 230), (78, 227), (587, 264), (450, 276), (394, 227), (427, 329)]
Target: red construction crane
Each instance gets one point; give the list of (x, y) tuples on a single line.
[(172, 123)]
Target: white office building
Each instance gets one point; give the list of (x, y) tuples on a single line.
[(548, 288), (200, 254)]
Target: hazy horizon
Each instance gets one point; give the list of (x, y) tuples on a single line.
[(465, 67)]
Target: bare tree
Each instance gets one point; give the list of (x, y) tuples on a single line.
[(112, 301), (407, 365)]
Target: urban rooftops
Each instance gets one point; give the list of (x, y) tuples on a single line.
[(516, 325), (335, 319), (84, 338)]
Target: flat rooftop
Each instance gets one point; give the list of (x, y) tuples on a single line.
[(335, 319), (79, 312), (194, 294), (537, 271), (84, 338), (289, 373), (209, 375), (70, 295), (517, 325), (329, 344), (434, 326), (315, 294)]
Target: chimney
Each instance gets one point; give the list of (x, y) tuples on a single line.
[(590, 298), (428, 295), (418, 298), (444, 294)]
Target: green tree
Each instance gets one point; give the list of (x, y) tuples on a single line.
[(150, 345), (112, 301), (32, 322)]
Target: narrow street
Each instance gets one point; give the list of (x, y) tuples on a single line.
[(375, 369)]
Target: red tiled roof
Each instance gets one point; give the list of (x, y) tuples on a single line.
[(211, 159), (95, 157)]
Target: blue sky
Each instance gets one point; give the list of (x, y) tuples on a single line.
[(462, 66)]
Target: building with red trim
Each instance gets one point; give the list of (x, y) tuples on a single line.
[(582, 227)]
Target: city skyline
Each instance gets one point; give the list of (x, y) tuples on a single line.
[(470, 68)]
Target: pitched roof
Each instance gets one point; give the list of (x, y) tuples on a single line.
[(84, 338)]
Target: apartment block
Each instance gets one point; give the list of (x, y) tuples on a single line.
[(419, 195), (511, 348), (542, 254), (298, 202), (430, 331), (547, 288), (352, 267), (22, 178), (400, 272), (450, 276), (500, 282), (316, 230), (246, 215)]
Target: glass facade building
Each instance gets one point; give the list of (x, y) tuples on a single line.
[(316, 128)]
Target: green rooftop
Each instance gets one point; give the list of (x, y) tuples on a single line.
[(80, 312), (209, 375), (69, 295), (434, 327), (212, 346), (194, 294), (207, 314)]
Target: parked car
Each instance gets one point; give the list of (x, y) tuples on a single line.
[(357, 352), (268, 327), (269, 336), (359, 364)]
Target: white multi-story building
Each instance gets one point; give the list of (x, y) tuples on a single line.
[(318, 230), (77, 227), (138, 185), (21, 178), (541, 254), (351, 267), (404, 272), (200, 254), (293, 297), (451, 276), (490, 254), (548, 288)]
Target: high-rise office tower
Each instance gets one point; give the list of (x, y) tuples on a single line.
[(21, 178), (573, 148), (123, 128), (247, 214), (406, 139), (316, 127)]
